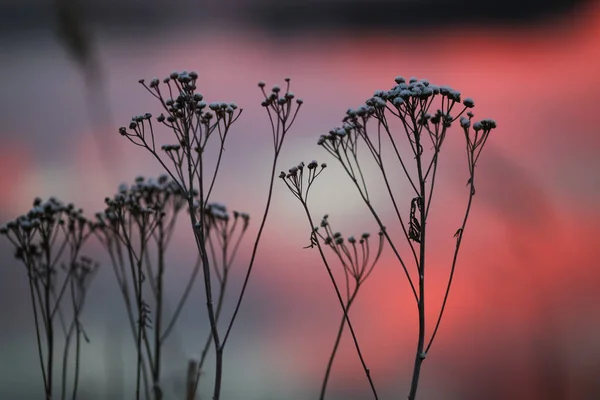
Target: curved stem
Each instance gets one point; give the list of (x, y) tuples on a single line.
[(254, 249)]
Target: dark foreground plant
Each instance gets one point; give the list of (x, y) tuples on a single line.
[(355, 257), (48, 241), (136, 229), (193, 124), (358, 267), (409, 104), (139, 221)]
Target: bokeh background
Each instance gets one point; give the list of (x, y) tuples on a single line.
[(523, 319)]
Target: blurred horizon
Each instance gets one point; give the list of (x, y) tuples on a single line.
[(276, 17), (522, 319)]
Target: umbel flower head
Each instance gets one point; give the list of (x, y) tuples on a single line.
[(355, 254), (188, 116), (216, 217), (43, 231), (294, 179), (403, 100), (44, 217)]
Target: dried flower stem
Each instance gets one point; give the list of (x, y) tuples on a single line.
[(409, 102), (49, 232), (295, 183)]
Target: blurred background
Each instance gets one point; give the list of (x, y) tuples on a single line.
[(523, 318)]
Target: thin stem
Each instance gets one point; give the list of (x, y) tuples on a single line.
[(201, 243), (48, 317), (158, 313), (341, 301), (459, 236), (37, 328), (422, 201), (337, 343), (182, 301), (255, 247)]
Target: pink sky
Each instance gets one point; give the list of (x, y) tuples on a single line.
[(530, 256)]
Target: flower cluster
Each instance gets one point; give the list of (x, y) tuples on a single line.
[(277, 99), (294, 179), (187, 100), (408, 94), (281, 111), (48, 240), (186, 113), (35, 232), (216, 214), (355, 257), (45, 215), (409, 101), (146, 200)]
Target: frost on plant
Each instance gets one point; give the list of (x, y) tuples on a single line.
[(402, 130), (136, 229), (48, 242), (422, 133), (197, 126)]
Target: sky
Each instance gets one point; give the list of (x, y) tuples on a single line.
[(521, 321)]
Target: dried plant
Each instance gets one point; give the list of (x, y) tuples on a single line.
[(136, 229), (48, 241), (355, 257), (354, 266), (193, 124), (138, 223), (409, 103)]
